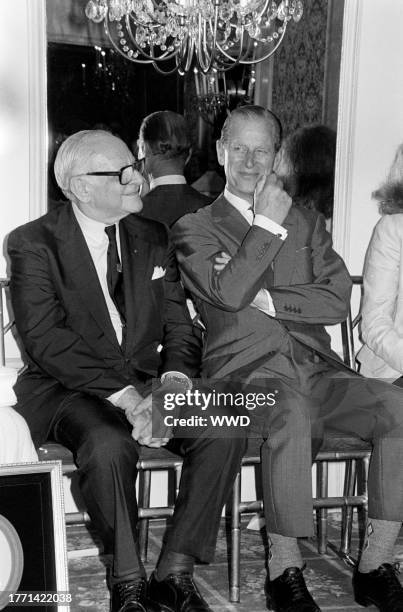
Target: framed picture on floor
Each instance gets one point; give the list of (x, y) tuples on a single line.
[(33, 557)]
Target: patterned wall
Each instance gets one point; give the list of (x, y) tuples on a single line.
[(299, 68)]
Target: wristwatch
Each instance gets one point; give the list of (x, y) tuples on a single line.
[(178, 378)]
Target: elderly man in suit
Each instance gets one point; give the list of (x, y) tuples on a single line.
[(164, 147), (95, 296), (265, 280)]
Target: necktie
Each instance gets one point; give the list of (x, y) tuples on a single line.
[(114, 275)]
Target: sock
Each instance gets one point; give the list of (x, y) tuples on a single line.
[(172, 562), (284, 553), (379, 543), (134, 575)]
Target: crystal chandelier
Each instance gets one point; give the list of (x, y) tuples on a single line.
[(201, 33), (211, 94)]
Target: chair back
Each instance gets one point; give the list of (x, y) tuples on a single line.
[(347, 331), (4, 328)]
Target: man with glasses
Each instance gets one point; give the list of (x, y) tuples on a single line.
[(265, 280), (101, 312)]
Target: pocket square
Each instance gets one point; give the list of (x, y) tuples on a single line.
[(158, 272)]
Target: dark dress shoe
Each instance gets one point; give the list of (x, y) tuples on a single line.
[(288, 593), (131, 596), (380, 588), (177, 593)]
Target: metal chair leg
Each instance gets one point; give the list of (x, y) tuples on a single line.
[(235, 558), (347, 513), (362, 511), (144, 499), (178, 474), (322, 485)]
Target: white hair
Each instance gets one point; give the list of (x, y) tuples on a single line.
[(74, 155)]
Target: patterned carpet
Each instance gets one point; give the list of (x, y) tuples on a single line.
[(328, 578)]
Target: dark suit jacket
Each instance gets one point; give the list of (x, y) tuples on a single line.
[(64, 324), (167, 203), (307, 280)]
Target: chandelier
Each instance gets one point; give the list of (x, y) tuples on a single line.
[(205, 34)]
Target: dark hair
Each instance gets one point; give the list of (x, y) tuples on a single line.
[(311, 151), (252, 111), (165, 133)]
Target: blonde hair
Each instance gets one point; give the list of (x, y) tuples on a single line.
[(390, 193)]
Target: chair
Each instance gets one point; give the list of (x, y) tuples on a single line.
[(356, 455), (150, 460)]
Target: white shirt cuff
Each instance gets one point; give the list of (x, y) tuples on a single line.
[(114, 398), (270, 226)]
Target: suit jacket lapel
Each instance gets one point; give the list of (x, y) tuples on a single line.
[(77, 261), (230, 221), (131, 253), (138, 256), (284, 263)]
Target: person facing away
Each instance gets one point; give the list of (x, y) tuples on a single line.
[(310, 152), (164, 146), (382, 305), (95, 296), (266, 280)]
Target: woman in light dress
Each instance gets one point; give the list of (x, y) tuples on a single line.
[(382, 310)]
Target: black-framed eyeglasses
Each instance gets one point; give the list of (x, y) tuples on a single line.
[(125, 174)]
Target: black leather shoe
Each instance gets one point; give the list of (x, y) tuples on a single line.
[(380, 588), (288, 593), (131, 596), (177, 593)]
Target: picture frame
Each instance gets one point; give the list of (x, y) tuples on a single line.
[(33, 536)]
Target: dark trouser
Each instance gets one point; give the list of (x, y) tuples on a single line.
[(106, 455), (346, 404)]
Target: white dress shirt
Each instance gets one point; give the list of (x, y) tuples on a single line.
[(245, 208), (98, 242), (168, 179)]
